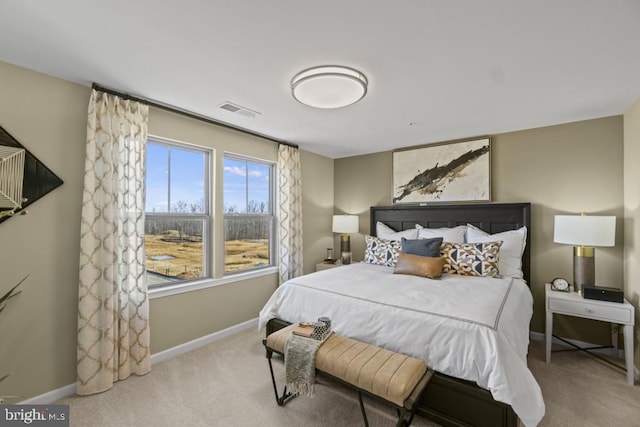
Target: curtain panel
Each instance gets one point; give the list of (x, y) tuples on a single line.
[(113, 305), (290, 212)]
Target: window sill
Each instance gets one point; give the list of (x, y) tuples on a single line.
[(180, 288)]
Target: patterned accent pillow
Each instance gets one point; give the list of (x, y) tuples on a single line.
[(513, 245), (471, 259), (381, 252)]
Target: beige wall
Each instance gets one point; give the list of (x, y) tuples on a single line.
[(38, 350), (317, 201), (361, 182), (181, 318), (632, 215), (38, 329), (559, 169), (571, 168)]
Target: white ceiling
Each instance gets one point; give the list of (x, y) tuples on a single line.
[(438, 69)]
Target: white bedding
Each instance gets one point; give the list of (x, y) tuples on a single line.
[(474, 328)]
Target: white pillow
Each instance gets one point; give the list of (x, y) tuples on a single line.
[(383, 231), (452, 235), (513, 244)]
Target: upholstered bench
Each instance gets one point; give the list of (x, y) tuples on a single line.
[(393, 377)]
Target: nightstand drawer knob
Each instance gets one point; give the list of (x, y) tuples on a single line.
[(588, 310)]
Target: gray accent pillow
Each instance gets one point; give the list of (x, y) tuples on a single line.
[(422, 247)]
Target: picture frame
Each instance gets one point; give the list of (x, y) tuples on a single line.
[(38, 179), (457, 171)]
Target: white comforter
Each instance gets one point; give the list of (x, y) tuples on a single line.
[(474, 328)]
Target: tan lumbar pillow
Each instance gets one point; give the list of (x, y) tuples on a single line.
[(416, 265)]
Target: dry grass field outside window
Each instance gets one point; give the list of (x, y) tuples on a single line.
[(180, 257), (170, 255), (244, 254)]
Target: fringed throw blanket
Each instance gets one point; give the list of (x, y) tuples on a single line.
[(300, 364)]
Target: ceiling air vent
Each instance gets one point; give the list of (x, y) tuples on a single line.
[(237, 109)]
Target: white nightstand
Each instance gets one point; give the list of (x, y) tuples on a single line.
[(322, 266), (573, 304)]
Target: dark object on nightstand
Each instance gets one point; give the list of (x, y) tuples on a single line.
[(329, 259), (603, 293)]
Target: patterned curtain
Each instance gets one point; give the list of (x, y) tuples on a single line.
[(113, 308), (290, 212)]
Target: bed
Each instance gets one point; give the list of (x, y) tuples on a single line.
[(441, 321)]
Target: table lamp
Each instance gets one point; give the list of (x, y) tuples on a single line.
[(584, 232), (345, 224)]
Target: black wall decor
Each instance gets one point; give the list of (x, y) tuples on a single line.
[(38, 178)]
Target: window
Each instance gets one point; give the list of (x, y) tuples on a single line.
[(248, 214), (177, 221)]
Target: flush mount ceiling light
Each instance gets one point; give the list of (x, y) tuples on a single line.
[(329, 86)]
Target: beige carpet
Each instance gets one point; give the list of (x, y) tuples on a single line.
[(582, 391), (227, 383)]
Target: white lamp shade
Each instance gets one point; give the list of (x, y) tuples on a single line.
[(345, 224), (585, 230)]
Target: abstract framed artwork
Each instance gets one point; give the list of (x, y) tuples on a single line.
[(447, 172), (37, 180)]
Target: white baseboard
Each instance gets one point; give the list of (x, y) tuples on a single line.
[(69, 390), (51, 396), (202, 341), (539, 336)]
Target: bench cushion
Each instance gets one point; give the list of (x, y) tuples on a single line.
[(277, 341), (384, 373)]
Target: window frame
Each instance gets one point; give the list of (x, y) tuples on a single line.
[(206, 216), (273, 238)]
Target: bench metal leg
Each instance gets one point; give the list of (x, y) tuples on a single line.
[(364, 414), (286, 396), (405, 417), (403, 421)]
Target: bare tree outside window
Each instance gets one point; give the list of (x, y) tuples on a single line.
[(177, 213), (248, 214)]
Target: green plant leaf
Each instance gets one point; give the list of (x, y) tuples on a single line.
[(11, 293), (3, 303)]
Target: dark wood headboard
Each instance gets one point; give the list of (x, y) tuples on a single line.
[(490, 217)]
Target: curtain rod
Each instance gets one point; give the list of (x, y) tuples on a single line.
[(189, 114)]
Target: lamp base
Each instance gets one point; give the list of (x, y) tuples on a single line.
[(584, 271), (345, 249), (345, 258), (345, 243)]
